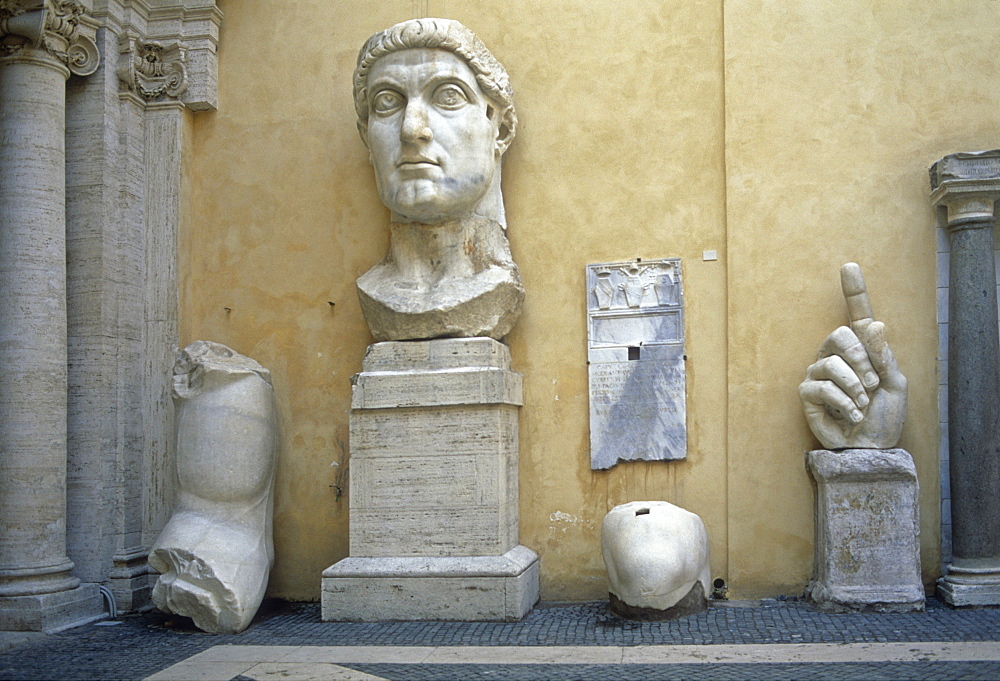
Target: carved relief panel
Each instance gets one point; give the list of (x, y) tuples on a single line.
[(635, 338)]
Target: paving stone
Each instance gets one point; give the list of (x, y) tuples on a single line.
[(145, 644), (905, 671)]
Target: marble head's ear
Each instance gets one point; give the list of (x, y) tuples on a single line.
[(506, 127), (363, 131)]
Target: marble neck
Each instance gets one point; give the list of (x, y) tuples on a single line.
[(431, 252)]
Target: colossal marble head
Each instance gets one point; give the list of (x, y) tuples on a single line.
[(436, 111)]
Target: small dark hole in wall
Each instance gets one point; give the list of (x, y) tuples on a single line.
[(719, 583), (633, 352), (642, 511)]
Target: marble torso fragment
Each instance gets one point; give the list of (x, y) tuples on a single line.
[(215, 553)]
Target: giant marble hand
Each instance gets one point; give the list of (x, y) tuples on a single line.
[(436, 111), (854, 394)]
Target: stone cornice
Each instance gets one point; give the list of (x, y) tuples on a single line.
[(189, 11), (62, 28), (163, 10)]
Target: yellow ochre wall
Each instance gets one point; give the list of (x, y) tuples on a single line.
[(788, 137)]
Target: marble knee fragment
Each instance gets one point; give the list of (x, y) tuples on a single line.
[(215, 553), (656, 555)]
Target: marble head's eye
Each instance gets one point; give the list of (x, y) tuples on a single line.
[(450, 96), (386, 101)]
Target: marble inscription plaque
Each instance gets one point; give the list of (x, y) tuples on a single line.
[(635, 338)]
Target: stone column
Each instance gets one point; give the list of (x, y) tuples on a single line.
[(965, 187), (39, 48)]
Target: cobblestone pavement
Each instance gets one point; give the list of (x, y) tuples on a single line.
[(143, 645), (843, 671)]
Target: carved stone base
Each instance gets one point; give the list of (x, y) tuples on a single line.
[(867, 550), (53, 611), (434, 450), (468, 589)]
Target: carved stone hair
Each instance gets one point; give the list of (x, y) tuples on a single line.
[(444, 34)]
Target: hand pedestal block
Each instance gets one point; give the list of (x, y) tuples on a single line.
[(867, 551), (434, 532)]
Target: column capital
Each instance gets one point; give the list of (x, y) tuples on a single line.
[(152, 69), (167, 52), (968, 185), (61, 28)]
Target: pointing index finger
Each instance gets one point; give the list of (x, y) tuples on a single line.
[(859, 307)]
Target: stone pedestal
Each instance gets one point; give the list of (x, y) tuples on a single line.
[(434, 499), (42, 48), (867, 550), (965, 188)]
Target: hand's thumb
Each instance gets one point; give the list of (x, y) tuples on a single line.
[(873, 337)]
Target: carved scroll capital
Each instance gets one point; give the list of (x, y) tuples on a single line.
[(968, 184), (152, 69), (62, 28)]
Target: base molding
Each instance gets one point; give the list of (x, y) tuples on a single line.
[(130, 581), (833, 598), (970, 586), (52, 612)]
